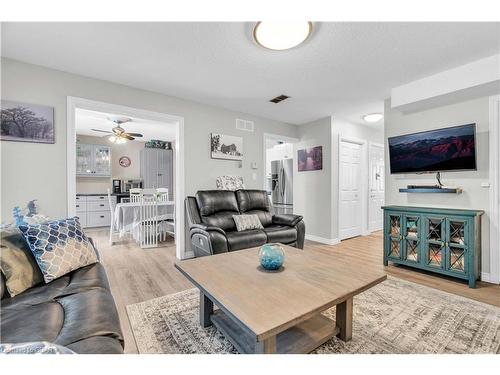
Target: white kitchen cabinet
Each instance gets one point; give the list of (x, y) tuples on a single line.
[(157, 169), (93, 160), (93, 210)]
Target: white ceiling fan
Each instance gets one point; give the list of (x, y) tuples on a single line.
[(118, 134)]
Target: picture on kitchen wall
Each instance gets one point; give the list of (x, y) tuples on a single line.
[(226, 147), (24, 122), (310, 159)]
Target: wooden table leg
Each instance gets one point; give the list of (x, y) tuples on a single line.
[(344, 319), (206, 309), (268, 346)]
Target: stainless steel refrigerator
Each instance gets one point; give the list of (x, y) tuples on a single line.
[(282, 186)]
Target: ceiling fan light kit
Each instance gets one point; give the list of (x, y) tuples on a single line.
[(118, 134)]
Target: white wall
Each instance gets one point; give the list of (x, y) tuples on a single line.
[(342, 128), (473, 196), (38, 171), (312, 189)]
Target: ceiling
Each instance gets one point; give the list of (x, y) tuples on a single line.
[(87, 120), (345, 69)]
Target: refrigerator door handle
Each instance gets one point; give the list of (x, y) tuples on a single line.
[(284, 182)]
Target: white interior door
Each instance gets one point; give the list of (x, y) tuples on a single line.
[(350, 190), (376, 187)]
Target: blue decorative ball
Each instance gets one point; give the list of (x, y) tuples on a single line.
[(271, 256)]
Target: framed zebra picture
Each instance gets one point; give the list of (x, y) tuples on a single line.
[(226, 147)]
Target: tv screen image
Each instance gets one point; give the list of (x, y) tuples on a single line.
[(446, 149)]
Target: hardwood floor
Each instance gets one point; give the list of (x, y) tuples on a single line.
[(137, 275)]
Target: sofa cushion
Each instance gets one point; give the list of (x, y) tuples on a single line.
[(245, 239), (17, 263), (66, 311), (217, 208), (255, 202), (249, 200), (246, 222), (280, 233), (213, 201), (59, 247), (37, 347)]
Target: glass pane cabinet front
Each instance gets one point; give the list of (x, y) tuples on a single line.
[(457, 259), (412, 232), (435, 229), (395, 248), (457, 232), (102, 159), (395, 225), (434, 255)]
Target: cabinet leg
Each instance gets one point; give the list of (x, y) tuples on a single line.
[(472, 282), (386, 262), (206, 309)]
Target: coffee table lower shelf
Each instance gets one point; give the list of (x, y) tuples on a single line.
[(302, 338)]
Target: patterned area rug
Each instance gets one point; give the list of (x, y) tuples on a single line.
[(395, 316)]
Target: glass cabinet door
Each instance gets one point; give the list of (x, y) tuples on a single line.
[(456, 245), (102, 160), (395, 235), (411, 235), (435, 244), (83, 159)]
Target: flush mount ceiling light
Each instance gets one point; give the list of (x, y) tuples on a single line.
[(281, 35), (373, 117)]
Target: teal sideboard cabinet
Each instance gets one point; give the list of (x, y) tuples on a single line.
[(442, 240)]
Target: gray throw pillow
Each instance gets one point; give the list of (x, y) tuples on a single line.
[(17, 264), (246, 222)]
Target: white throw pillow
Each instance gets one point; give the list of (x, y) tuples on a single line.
[(246, 222)]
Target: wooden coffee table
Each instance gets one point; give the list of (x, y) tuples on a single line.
[(278, 312)]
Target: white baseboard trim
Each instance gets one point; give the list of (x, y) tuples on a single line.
[(485, 277), (326, 241), (188, 255)]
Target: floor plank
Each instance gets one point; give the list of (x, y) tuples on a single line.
[(137, 275)]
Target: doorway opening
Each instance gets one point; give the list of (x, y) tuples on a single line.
[(376, 186), (107, 157), (278, 176)]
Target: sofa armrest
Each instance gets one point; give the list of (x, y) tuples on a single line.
[(285, 219), (206, 228)]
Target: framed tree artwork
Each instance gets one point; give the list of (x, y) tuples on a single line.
[(24, 122)]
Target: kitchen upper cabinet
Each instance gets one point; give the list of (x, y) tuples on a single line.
[(157, 168), (93, 160)]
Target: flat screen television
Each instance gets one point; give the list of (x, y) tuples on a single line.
[(446, 149)]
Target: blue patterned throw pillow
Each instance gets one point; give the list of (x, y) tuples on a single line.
[(59, 247)]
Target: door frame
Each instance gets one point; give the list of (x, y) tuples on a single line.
[(276, 137), (494, 144), (364, 182), (381, 145), (74, 103)]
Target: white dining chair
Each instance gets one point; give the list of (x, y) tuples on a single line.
[(166, 225), (112, 216), (162, 194), (135, 195), (147, 228)]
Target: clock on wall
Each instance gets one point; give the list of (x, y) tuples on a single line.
[(124, 161)]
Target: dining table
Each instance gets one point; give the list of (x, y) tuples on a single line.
[(128, 214)]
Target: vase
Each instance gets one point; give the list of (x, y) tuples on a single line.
[(271, 256)]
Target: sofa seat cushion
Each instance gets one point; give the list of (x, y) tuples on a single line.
[(245, 239), (69, 310), (281, 233), (97, 344)]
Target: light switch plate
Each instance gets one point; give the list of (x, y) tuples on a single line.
[(254, 165), (254, 176)]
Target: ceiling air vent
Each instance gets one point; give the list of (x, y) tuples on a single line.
[(279, 99), (244, 125)]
